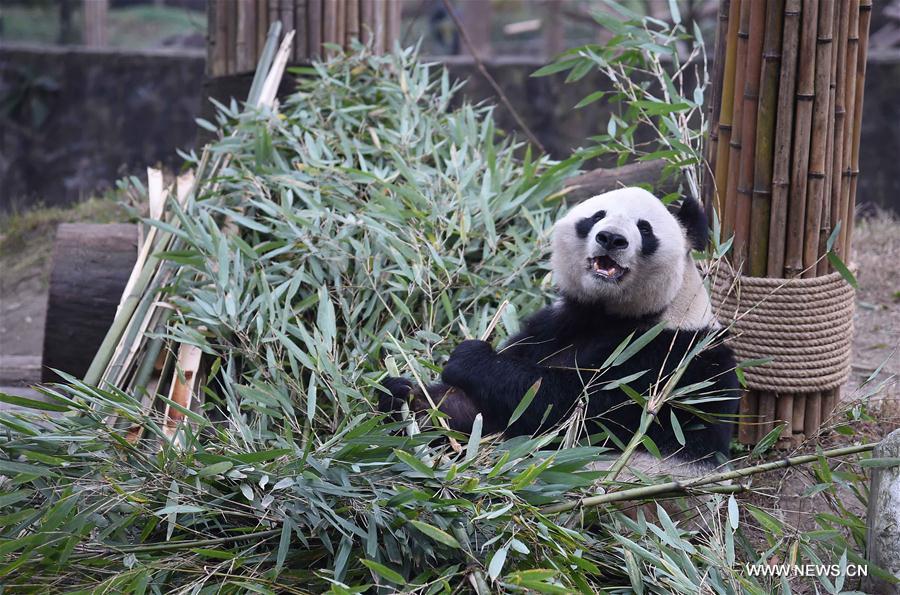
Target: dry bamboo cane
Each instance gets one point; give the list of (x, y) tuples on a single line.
[(849, 131), (726, 112), (815, 190), (314, 27), (761, 207), (865, 16), (748, 135), (783, 133), (802, 127), (736, 144), (714, 104)]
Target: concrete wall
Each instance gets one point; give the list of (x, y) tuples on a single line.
[(81, 119)]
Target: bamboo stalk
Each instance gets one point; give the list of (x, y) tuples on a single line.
[(767, 408), (784, 413), (825, 225), (840, 116), (286, 14), (783, 133), (340, 22), (793, 260), (392, 27), (813, 416), (682, 486), (829, 403), (815, 188), (231, 18), (726, 111), (748, 411), (301, 26), (352, 22), (799, 414), (218, 40), (262, 25), (736, 143), (314, 26), (714, 101), (245, 37), (329, 21), (378, 25), (849, 130), (275, 13), (761, 206), (366, 18), (748, 134), (865, 16)]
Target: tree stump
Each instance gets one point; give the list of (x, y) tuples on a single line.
[(883, 519), (90, 267)]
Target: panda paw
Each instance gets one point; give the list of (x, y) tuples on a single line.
[(394, 392)]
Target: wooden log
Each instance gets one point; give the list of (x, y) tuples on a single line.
[(91, 264), (601, 180)]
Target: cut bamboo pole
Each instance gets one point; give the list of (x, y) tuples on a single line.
[(825, 225), (749, 418), (813, 416), (726, 113), (783, 133), (182, 391), (262, 25), (798, 416), (352, 23), (802, 130), (314, 17), (231, 17), (286, 14), (784, 414), (392, 27), (767, 408), (865, 16), (840, 114), (367, 20), (340, 22), (245, 36), (815, 189), (736, 144), (329, 21), (714, 101), (761, 206), (748, 134), (849, 130), (218, 63), (301, 41)]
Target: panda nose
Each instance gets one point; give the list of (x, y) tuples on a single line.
[(611, 241)]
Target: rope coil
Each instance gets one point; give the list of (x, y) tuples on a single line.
[(804, 325)]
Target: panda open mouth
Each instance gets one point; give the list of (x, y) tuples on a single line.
[(605, 268)]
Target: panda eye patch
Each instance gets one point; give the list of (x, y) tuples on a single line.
[(583, 227), (644, 227)]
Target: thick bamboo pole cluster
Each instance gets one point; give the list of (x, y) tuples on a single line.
[(784, 155), (238, 28)]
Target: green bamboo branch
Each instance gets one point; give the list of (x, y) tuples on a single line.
[(683, 486)]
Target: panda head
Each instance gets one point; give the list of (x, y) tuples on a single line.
[(626, 251)]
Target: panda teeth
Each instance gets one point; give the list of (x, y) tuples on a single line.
[(606, 267)]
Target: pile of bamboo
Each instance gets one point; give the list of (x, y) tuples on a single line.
[(238, 28), (784, 152)]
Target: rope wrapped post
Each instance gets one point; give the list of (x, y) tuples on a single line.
[(792, 87)]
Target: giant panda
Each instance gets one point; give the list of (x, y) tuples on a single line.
[(622, 264)]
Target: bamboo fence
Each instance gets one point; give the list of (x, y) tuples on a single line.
[(784, 157), (238, 29)]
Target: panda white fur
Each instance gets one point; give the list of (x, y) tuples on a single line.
[(622, 263)]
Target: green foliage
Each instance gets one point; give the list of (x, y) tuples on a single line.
[(362, 227)]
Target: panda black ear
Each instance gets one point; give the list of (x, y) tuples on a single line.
[(693, 218)]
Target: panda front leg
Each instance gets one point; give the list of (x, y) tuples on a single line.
[(496, 383), (451, 401)]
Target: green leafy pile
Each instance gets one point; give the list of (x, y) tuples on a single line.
[(362, 226)]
